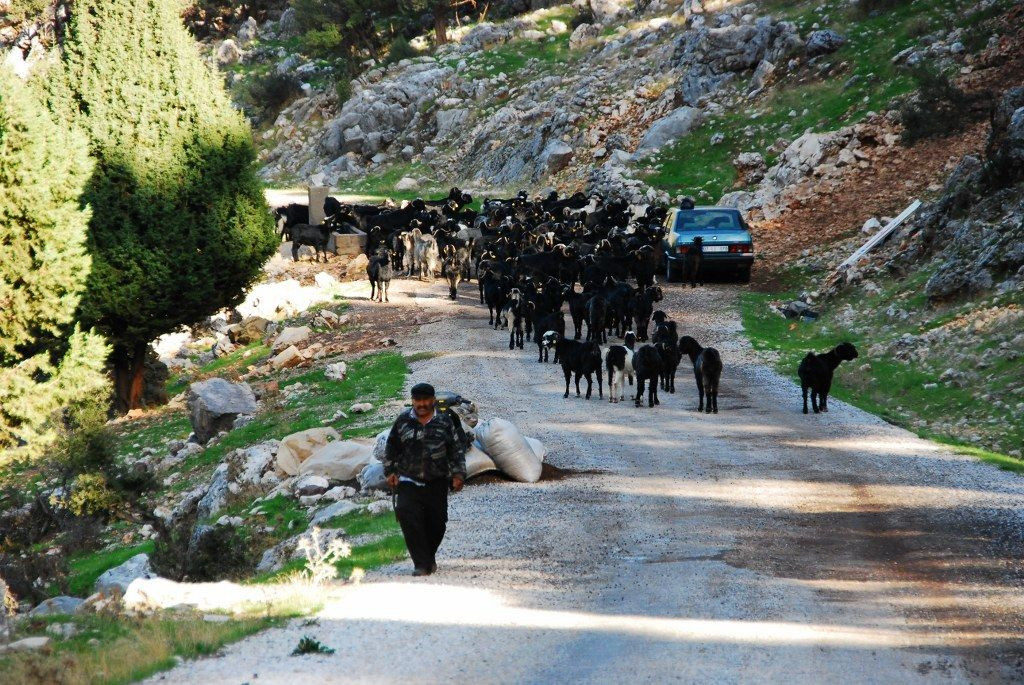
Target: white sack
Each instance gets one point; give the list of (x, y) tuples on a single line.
[(478, 462), (504, 444), (297, 447), (339, 460), (538, 448)]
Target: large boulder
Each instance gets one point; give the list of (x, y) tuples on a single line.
[(249, 330), (606, 11), (676, 124), (247, 31), (556, 156), (120, 577), (288, 24), (583, 34), (341, 460), (449, 121), (62, 604), (228, 53), (824, 42), (216, 497), (215, 403), (297, 448), (291, 335)]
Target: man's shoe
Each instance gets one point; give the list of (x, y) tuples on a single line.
[(421, 571)]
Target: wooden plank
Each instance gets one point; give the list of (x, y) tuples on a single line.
[(881, 235)]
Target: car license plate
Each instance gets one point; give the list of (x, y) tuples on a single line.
[(716, 248)]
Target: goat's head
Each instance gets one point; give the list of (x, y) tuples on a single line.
[(629, 339), (846, 351), (550, 339), (659, 317), (688, 345)]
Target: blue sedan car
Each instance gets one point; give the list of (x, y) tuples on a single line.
[(727, 243)]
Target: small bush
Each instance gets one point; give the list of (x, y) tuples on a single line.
[(267, 95), (203, 553), (308, 645), (939, 108), (400, 49), (343, 89), (323, 42), (918, 27)]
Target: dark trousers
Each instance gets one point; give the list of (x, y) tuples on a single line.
[(423, 512)]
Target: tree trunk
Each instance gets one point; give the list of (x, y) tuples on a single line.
[(128, 377), (440, 24)]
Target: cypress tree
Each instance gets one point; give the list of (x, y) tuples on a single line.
[(180, 227), (45, 362)]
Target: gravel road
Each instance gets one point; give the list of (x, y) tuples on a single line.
[(757, 544)]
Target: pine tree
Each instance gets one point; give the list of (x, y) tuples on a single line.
[(180, 227), (46, 363)]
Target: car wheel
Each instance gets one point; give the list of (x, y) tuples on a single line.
[(744, 274)]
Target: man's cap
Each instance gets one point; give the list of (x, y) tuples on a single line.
[(422, 391)]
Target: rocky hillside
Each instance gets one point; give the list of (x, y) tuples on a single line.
[(682, 97)]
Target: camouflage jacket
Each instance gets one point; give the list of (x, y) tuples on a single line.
[(424, 452)]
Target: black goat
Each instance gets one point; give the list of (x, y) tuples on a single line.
[(380, 272), (581, 359), (816, 371), (314, 236), (597, 312), (647, 364), (494, 295), (549, 328), (707, 370)]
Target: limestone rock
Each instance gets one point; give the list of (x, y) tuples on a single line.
[(214, 404), (291, 335), (247, 31), (120, 577), (824, 42), (675, 125), (228, 53), (557, 156), (62, 604), (288, 358), (583, 34), (407, 183), (249, 330), (336, 371), (311, 484)]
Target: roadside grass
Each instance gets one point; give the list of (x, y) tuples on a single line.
[(152, 431), (120, 650), (386, 550), (422, 356), (866, 81), (375, 378), (86, 568), (904, 394)]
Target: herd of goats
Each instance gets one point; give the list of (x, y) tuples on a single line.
[(527, 257)]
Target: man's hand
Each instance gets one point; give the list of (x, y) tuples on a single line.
[(457, 483), (392, 481)]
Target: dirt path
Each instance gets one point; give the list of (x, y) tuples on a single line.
[(753, 545)]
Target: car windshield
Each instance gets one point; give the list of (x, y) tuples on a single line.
[(706, 220)]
